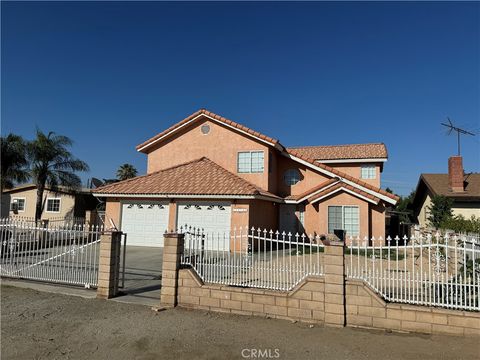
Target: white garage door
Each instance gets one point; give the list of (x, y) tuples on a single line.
[(212, 216), (144, 222)]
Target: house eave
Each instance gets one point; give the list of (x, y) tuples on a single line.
[(347, 191), (187, 196), (346, 181), (339, 161), (153, 142)]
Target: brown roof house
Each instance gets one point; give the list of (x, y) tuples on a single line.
[(210, 172), (462, 188)]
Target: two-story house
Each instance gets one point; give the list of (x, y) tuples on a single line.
[(210, 172)]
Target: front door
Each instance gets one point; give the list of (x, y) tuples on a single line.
[(288, 219)]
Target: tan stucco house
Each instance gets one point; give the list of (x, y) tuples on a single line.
[(462, 188), (210, 172), (19, 203)]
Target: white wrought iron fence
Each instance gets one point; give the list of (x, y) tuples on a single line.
[(53, 221), (60, 254), (256, 258), (438, 270)]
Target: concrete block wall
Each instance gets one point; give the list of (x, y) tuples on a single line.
[(331, 299), (305, 303), (364, 308)]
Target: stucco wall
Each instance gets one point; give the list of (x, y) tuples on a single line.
[(112, 212), (264, 214), (344, 199), (310, 178), (67, 204), (354, 169), (377, 221), (423, 213), (467, 209), (221, 145)]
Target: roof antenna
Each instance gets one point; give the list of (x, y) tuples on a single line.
[(459, 131)]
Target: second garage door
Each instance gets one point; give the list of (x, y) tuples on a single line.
[(213, 217), (145, 222)]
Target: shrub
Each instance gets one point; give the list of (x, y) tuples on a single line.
[(461, 225)]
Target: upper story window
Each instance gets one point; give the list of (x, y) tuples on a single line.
[(368, 172), (53, 205), (17, 204), (250, 162), (291, 177)]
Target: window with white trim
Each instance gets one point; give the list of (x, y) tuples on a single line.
[(344, 218), (17, 204), (250, 162), (53, 205), (368, 172)]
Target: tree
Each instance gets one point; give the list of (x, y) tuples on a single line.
[(13, 161), (126, 171), (404, 207), (440, 210), (52, 164)]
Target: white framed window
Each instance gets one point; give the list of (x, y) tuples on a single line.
[(53, 205), (291, 177), (344, 217), (250, 162), (368, 172), (301, 215), (17, 204)]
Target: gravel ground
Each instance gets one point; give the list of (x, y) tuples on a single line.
[(40, 325)]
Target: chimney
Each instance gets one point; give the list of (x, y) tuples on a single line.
[(455, 174)]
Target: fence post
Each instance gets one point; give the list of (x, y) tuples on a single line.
[(172, 251), (109, 265), (334, 284)]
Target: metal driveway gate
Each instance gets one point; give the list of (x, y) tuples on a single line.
[(60, 254)]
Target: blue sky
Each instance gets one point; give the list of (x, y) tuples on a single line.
[(110, 75)]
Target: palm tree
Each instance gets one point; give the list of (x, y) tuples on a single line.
[(126, 171), (13, 161), (53, 165)]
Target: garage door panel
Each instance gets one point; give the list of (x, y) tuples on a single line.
[(144, 222), (213, 217)]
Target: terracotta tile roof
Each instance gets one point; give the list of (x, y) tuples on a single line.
[(341, 174), (338, 152), (197, 177), (212, 115), (438, 184), (346, 186)]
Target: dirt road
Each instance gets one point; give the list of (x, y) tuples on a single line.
[(40, 325)]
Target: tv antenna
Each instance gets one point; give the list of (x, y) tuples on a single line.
[(459, 131)]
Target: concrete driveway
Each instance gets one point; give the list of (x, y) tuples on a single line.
[(143, 271)]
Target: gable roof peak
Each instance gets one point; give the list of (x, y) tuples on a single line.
[(143, 147)]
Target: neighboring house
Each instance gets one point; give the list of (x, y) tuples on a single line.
[(463, 189), (210, 172), (20, 202)]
